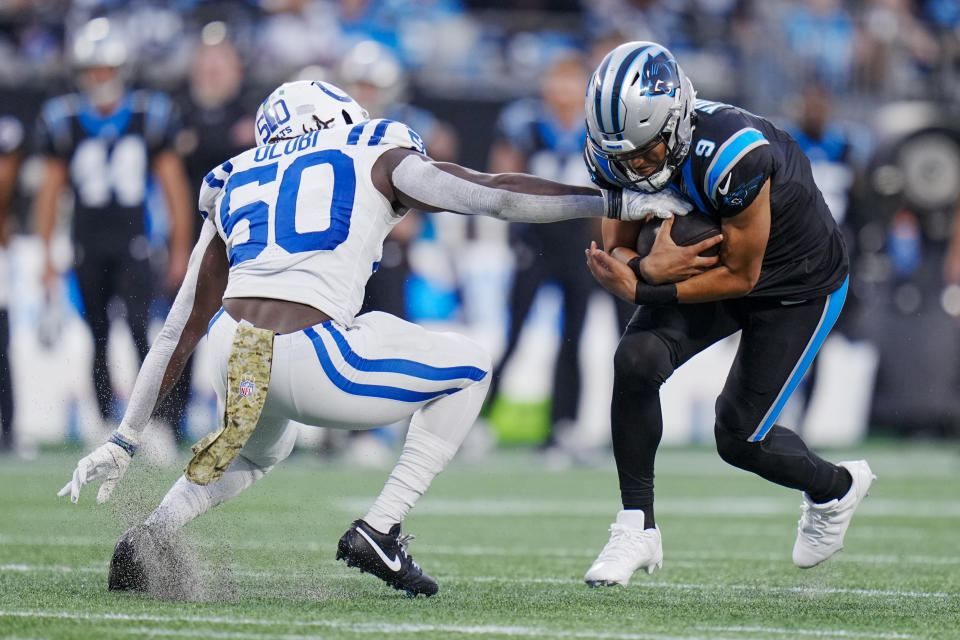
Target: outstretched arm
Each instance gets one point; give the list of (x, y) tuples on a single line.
[(415, 181), (200, 296)]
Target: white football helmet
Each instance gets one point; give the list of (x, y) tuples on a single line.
[(637, 98), (294, 108)]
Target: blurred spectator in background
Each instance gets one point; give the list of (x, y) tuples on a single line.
[(11, 143), (827, 146), (545, 137), (951, 265), (217, 116), (821, 40), (294, 34), (104, 143), (897, 52), (653, 20)]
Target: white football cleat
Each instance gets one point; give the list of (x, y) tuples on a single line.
[(630, 547), (822, 526)]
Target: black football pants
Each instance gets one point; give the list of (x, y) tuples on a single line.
[(542, 256), (106, 269), (777, 345)]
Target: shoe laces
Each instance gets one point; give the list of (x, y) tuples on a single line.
[(624, 540), (404, 542), (816, 524)]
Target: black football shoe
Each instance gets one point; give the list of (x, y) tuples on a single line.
[(385, 556), (128, 567), (147, 561)]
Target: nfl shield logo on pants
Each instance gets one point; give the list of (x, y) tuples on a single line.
[(246, 388)]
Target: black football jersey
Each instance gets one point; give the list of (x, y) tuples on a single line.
[(108, 156), (732, 154)]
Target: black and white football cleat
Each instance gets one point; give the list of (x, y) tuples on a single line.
[(156, 564), (385, 556)]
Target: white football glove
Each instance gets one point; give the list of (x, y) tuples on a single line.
[(631, 206), (109, 461)]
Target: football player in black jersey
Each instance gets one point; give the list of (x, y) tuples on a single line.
[(103, 143), (781, 281), (545, 136)]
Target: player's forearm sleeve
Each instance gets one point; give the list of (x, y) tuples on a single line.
[(426, 183), (147, 389)]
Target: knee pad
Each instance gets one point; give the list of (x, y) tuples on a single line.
[(732, 448), (642, 359)]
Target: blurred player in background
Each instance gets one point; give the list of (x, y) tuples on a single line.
[(781, 281), (292, 231), (11, 145), (545, 137), (103, 144)]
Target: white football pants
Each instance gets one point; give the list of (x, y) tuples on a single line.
[(378, 371)]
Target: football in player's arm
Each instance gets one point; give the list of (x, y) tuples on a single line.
[(780, 279)]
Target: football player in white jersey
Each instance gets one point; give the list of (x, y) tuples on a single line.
[(292, 231)]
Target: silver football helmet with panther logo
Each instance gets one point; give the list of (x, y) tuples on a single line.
[(637, 98)]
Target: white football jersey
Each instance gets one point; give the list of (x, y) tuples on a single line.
[(301, 218)]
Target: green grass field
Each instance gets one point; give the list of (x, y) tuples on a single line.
[(509, 542)]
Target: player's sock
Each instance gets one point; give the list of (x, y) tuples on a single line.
[(424, 456), (839, 484), (648, 519), (185, 500)]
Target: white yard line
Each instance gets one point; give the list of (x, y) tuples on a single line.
[(683, 559), (377, 627), (948, 507), (819, 633), (681, 586)]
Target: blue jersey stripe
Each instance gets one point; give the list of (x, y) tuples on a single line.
[(369, 390), (691, 185), (830, 313), (379, 132), (212, 180), (730, 154), (399, 365), (356, 132)]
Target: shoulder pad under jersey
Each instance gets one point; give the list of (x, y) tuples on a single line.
[(212, 184), (383, 132)]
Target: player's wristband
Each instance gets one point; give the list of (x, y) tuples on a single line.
[(118, 440), (634, 263), (612, 203), (654, 293)]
